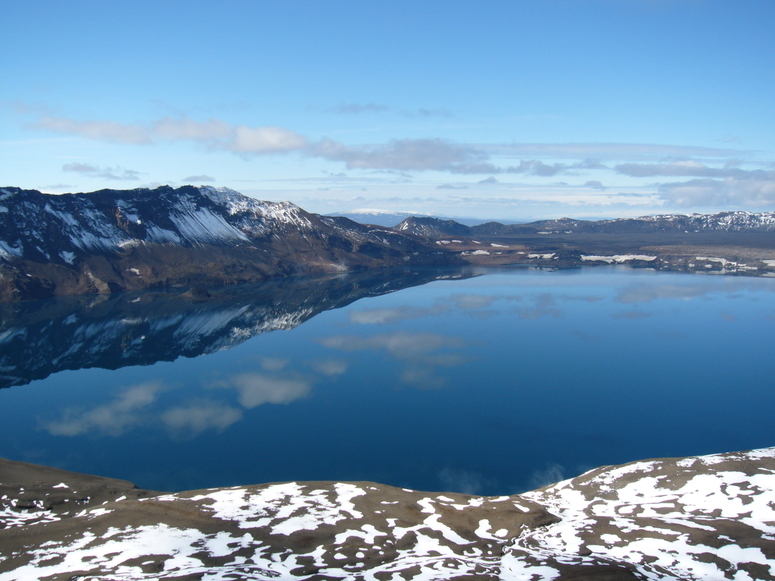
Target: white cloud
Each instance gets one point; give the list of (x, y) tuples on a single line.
[(264, 140)]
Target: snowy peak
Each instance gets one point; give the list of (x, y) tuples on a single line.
[(56, 228)]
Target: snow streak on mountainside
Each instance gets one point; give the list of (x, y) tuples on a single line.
[(41, 226)]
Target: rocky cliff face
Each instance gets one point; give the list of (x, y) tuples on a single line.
[(115, 240), (697, 518)]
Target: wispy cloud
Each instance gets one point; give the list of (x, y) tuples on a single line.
[(756, 189), (100, 130), (371, 107), (720, 179), (198, 179), (213, 133), (109, 173), (691, 168), (609, 151), (403, 155), (357, 108)]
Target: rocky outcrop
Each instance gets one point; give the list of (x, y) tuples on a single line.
[(707, 517)]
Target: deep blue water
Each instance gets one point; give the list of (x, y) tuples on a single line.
[(492, 384)]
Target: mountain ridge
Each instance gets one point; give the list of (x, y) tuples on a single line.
[(116, 240)]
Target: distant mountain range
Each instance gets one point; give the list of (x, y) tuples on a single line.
[(115, 240), (390, 219), (721, 222)]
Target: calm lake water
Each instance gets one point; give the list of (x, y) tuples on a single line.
[(490, 382)]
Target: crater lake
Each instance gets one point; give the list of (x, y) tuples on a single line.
[(477, 381)]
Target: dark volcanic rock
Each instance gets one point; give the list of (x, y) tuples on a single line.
[(707, 517)]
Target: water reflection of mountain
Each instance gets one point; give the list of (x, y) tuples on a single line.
[(112, 331)]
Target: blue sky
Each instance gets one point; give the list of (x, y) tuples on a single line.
[(501, 109)]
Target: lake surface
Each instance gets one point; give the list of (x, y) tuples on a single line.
[(489, 382)]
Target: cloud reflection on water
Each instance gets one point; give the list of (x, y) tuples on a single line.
[(399, 343), (729, 287), (256, 389), (330, 367), (113, 419), (421, 351), (196, 416), (392, 315)]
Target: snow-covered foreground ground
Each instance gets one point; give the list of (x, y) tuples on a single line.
[(707, 517)]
